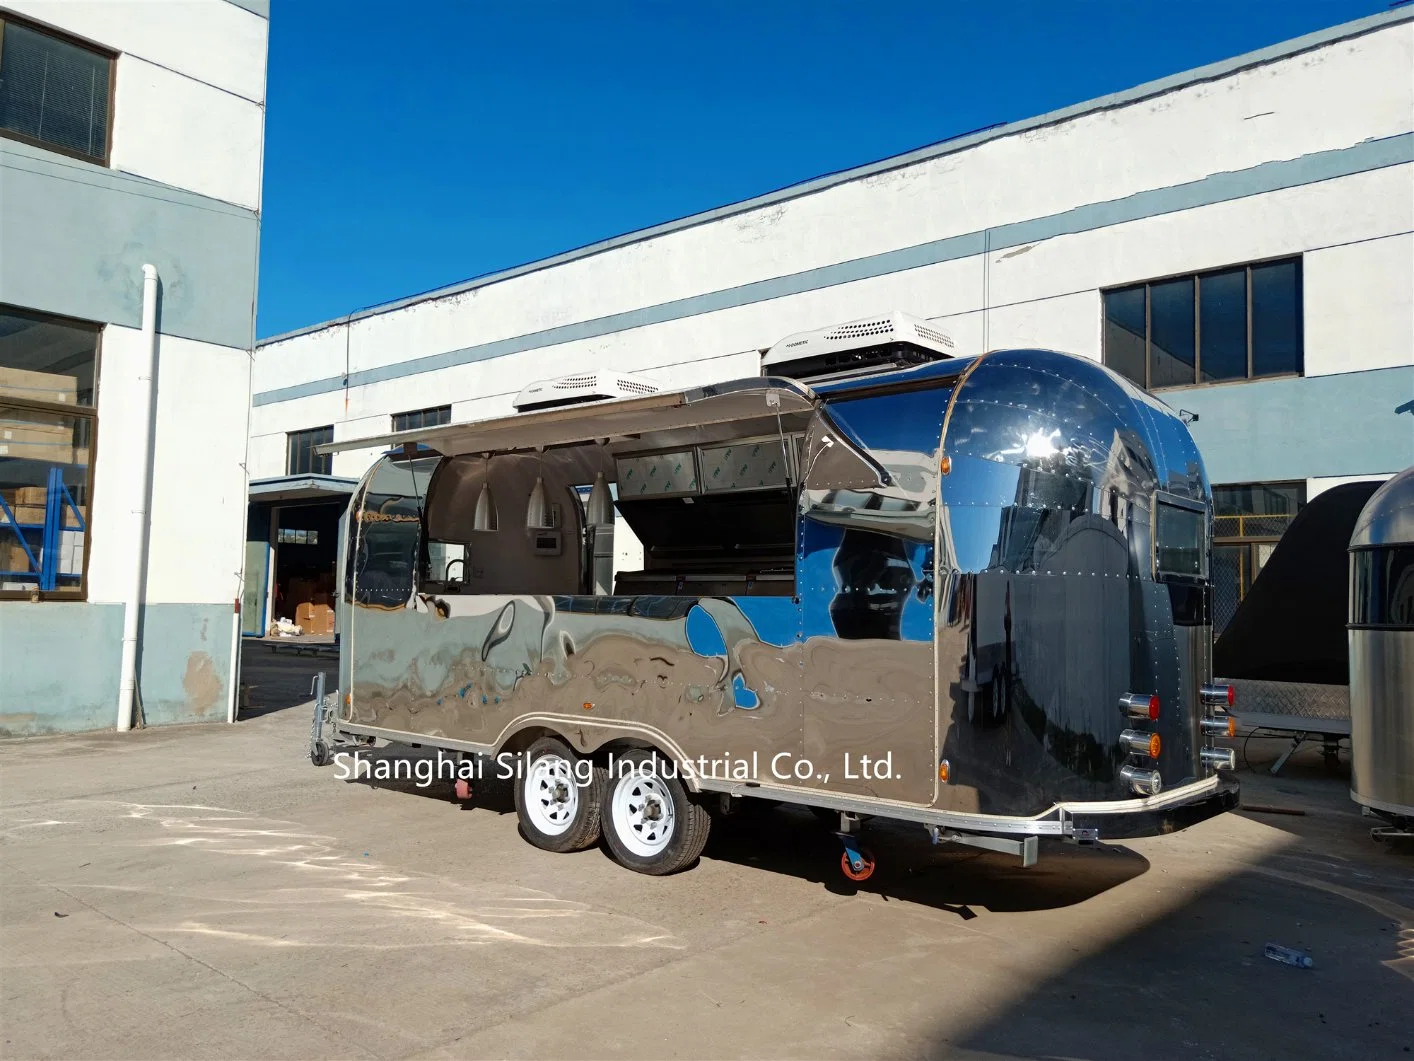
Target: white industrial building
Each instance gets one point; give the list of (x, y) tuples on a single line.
[(1239, 238), (131, 138)]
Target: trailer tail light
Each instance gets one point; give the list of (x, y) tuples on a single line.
[(1141, 780), (1219, 695), (1140, 706), (1222, 726), (1221, 758), (1141, 743)]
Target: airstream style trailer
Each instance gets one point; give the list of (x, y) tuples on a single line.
[(879, 581), (1382, 657)]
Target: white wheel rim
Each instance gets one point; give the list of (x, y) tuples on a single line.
[(551, 794), (643, 815)]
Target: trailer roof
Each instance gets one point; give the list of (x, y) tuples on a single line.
[(747, 399)]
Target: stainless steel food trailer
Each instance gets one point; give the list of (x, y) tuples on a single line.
[(1382, 657), (970, 593)]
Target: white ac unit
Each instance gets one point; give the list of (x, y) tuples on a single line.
[(868, 345), (580, 388)]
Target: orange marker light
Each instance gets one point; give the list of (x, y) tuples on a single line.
[(1231, 726), (588, 707), (943, 770), (945, 465), (1155, 745)]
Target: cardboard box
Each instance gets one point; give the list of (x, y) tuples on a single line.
[(315, 618), (45, 442), (38, 386), (34, 514), (13, 558)]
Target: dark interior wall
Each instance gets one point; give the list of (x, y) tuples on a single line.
[(297, 564)]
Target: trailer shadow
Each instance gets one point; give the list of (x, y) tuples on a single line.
[(909, 868), (1190, 979)]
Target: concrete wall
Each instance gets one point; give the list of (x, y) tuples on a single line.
[(1007, 238), (183, 193)]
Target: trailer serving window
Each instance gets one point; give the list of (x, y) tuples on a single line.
[(714, 520)]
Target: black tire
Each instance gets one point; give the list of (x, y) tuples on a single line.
[(537, 807), (641, 787), (319, 754)]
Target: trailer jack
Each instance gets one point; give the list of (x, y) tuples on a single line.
[(1024, 848)]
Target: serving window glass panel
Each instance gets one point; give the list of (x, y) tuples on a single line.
[(1230, 324)]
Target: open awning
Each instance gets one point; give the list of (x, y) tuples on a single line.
[(630, 418), (284, 488)]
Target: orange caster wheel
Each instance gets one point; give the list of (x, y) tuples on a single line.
[(861, 868)]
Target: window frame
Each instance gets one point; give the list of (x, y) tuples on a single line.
[(1197, 278), (290, 437), (78, 412), (393, 419), (106, 161)]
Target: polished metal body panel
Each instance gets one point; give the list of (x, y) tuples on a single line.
[(975, 582), (1382, 650)]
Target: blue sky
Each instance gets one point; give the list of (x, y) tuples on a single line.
[(410, 146)]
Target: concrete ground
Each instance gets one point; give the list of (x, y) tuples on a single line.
[(195, 892)]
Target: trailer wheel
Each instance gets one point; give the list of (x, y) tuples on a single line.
[(558, 797), (319, 754), (650, 823)]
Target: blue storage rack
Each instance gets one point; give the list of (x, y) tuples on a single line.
[(44, 568)]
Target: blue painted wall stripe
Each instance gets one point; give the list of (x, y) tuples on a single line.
[(1268, 430), (1216, 188), (76, 235), (255, 7)]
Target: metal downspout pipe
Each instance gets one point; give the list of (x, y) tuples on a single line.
[(142, 410)]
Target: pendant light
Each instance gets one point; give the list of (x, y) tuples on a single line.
[(537, 508), (600, 508), (485, 518)]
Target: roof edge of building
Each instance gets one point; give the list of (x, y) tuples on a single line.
[(961, 142)]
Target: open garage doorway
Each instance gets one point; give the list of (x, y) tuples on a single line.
[(292, 541)]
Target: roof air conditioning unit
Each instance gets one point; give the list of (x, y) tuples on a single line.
[(581, 388), (869, 345)]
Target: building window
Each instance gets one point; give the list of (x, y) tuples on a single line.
[(55, 92), (1215, 327), (1248, 521), (48, 369), (293, 536), (420, 418), (300, 458)]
